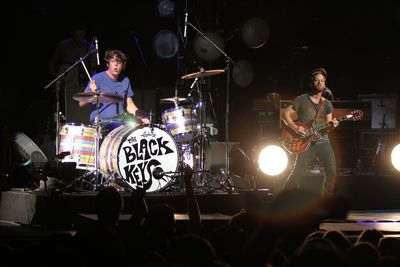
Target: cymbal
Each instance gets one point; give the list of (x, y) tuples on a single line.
[(200, 74), (127, 118), (175, 99), (103, 97), (124, 117)]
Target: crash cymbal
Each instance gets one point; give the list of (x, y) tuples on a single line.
[(200, 74), (92, 97), (175, 99)]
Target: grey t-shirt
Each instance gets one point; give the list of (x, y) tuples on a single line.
[(307, 110)]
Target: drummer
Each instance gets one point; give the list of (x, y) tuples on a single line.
[(115, 92)]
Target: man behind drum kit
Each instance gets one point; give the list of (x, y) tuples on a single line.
[(112, 81)]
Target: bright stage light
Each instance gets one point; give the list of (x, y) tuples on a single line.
[(272, 160), (395, 157)]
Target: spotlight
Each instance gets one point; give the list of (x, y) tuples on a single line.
[(273, 160), (165, 44), (30, 162), (205, 50), (255, 32), (395, 157), (243, 73), (28, 151), (165, 8)]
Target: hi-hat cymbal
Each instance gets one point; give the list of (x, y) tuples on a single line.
[(92, 97), (200, 74), (175, 99)]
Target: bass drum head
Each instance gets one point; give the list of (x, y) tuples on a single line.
[(141, 152), (109, 149)]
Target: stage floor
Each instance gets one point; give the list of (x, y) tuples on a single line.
[(372, 202)]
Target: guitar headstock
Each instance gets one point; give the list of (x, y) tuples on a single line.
[(356, 115)]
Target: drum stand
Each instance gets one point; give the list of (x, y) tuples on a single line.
[(204, 180), (96, 178)]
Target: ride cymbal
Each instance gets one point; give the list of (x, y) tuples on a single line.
[(174, 99), (200, 74), (91, 97)]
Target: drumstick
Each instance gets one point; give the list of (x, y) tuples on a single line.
[(84, 66)]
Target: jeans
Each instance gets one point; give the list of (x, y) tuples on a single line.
[(326, 156)]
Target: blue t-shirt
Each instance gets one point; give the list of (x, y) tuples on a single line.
[(105, 84)]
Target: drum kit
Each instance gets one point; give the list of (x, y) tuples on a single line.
[(132, 155)]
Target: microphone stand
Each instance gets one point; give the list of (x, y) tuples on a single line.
[(57, 81), (57, 117), (228, 62)]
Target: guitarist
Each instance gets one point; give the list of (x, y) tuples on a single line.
[(306, 108)]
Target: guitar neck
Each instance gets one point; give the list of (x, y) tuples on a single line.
[(327, 124)]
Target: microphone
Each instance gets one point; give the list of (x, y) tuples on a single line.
[(185, 26), (97, 50), (158, 173)]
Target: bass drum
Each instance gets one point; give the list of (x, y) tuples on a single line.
[(144, 157)]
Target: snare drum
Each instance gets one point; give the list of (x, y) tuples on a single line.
[(79, 140), (133, 153), (181, 122)]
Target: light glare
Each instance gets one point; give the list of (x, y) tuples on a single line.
[(395, 157), (272, 160)]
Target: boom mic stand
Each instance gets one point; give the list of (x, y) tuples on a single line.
[(57, 79), (228, 62)]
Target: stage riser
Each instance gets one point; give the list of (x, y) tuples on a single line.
[(366, 192), (40, 209)]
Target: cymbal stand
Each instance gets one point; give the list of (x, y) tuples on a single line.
[(203, 178), (228, 62), (57, 81), (201, 106), (57, 117), (97, 123)]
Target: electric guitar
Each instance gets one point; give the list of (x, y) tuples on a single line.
[(298, 143)]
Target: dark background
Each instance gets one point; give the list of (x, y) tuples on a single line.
[(357, 42)]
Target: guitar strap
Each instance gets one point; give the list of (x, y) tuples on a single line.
[(321, 108)]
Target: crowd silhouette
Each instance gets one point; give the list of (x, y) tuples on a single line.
[(255, 236)]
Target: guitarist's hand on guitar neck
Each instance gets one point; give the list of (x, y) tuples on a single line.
[(297, 136), (334, 122)]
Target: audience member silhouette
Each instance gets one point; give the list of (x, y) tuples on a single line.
[(370, 235), (109, 205), (192, 250), (99, 242), (389, 246), (363, 254), (341, 242)]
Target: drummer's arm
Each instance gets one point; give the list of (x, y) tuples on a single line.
[(93, 88), (132, 108), (83, 103)]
